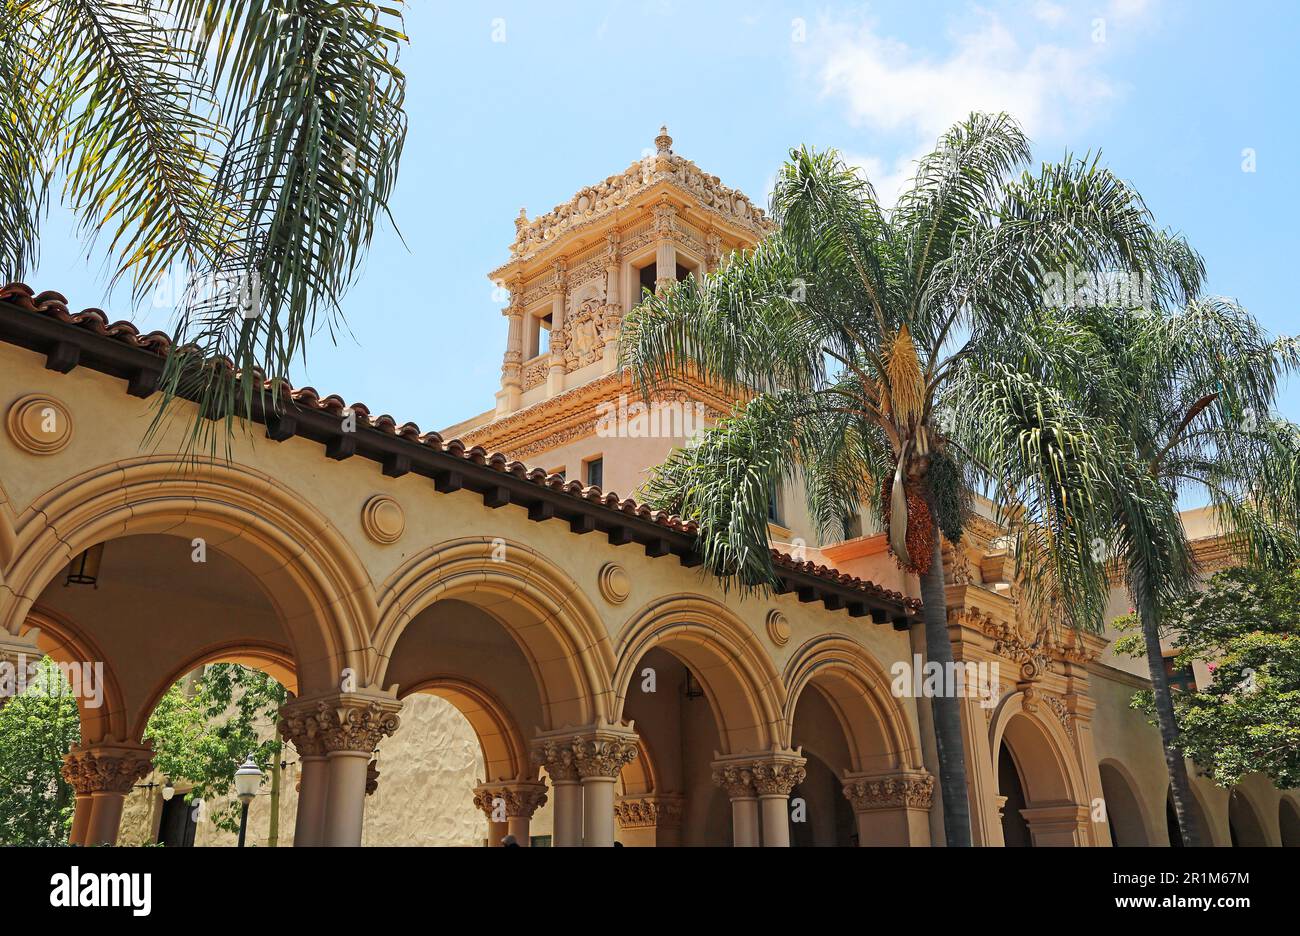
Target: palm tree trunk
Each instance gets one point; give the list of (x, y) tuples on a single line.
[(946, 708), (1180, 786)]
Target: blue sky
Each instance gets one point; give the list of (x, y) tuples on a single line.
[(1172, 93)]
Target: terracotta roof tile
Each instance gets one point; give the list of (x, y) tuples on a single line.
[(54, 305)]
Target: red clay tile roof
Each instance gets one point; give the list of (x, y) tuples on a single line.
[(54, 305)]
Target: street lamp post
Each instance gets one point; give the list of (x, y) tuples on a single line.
[(247, 779)]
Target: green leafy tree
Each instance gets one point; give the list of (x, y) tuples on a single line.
[(882, 356), (1245, 626), (36, 729), (239, 151), (1186, 394), (201, 737)]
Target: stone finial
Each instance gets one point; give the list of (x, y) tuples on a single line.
[(663, 142)]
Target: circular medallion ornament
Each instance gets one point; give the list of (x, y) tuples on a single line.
[(778, 628), (382, 519), (615, 584), (39, 424)]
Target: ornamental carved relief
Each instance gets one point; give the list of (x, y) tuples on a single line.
[(774, 775), (344, 723), (662, 811), (736, 780), (617, 191), (514, 800), (106, 769), (535, 372), (777, 779), (603, 754), (603, 757), (587, 332), (915, 791)]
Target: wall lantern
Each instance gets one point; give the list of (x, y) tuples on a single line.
[(84, 569)]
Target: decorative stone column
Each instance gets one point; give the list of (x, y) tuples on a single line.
[(509, 806), (350, 726), (512, 364), (774, 777), (596, 756), (737, 779), (555, 376), (300, 726), (891, 809), (650, 819), (613, 312), (665, 250), (102, 775)]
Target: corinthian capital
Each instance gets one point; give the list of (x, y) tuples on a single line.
[(511, 799), (910, 789), (777, 778), (599, 752), (345, 721), (106, 768), (736, 779)]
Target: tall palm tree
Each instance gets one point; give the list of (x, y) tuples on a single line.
[(1188, 393), (240, 150), (847, 333)]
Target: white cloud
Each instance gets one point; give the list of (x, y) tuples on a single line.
[(888, 85), (1037, 60)]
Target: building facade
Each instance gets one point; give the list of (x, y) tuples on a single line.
[(482, 640)]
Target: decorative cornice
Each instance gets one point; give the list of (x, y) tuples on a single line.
[(596, 203), (909, 790)]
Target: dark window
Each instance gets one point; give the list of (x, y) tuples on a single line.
[(683, 272), (1179, 679), (596, 472), (176, 829), (540, 841), (774, 502), (647, 280)]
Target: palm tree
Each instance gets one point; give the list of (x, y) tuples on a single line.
[(1188, 393), (240, 149), (848, 334)]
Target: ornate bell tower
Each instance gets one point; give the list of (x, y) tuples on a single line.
[(572, 274)]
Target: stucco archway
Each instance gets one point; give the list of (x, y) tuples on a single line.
[(1245, 821), (1289, 822), (544, 611), (743, 688), (1129, 823), (1040, 753), (318, 588), (876, 729)]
